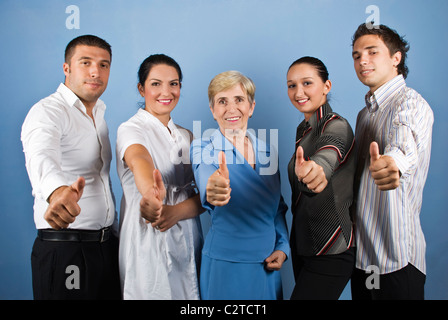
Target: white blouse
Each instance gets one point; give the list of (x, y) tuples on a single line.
[(154, 264)]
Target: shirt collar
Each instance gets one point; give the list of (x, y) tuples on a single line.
[(171, 133), (384, 93), (69, 96), (72, 99), (154, 119), (319, 114)]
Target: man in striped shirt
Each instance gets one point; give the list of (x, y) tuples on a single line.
[(393, 137)]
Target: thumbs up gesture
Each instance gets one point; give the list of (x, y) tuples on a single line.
[(152, 200), (218, 185), (310, 173), (383, 169), (63, 205)]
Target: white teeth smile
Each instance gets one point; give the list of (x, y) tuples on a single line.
[(302, 100), (165, 101), (232, 119)]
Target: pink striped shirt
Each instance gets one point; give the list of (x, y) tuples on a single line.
[(388, 230)]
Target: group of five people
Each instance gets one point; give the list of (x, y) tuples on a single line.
[(355, 202)]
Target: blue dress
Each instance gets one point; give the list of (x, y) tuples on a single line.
[(245, 231)]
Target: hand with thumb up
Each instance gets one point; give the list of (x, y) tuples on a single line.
[(152, 199), (218, 185), (63, 205), (310, 173), (383, 169)]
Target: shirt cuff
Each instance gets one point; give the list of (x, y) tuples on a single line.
[(282, 246), (51, 183), (400, 160)]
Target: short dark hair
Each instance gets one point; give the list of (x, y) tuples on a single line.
[(154, 60), (319, 65), (86, 40), (393, 41)]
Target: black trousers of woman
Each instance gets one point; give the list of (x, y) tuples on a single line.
[(322, 277)]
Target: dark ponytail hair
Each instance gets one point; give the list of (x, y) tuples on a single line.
[(154, 60), (319, 65)]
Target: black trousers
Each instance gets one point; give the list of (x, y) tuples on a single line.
[(75, 270), (322, 277), (405, 284)]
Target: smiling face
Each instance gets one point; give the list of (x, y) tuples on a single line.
[(161, 91), (87, 74), (306, 89), (232, 109), (374, 65)]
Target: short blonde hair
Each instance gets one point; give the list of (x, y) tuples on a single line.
[(227, 80)]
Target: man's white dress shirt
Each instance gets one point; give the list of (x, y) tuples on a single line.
[(61, 143)]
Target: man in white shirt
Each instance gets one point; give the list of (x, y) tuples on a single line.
[(393, 135), (67, 151)]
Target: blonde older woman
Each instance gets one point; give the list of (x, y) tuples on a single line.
[(248, 239)]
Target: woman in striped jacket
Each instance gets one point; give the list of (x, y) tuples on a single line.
[(321, 174)]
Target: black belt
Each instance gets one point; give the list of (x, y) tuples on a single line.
[(74, 235)]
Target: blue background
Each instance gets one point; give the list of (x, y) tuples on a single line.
[(260, 38)]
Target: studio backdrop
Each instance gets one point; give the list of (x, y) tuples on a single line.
[(260, 38)]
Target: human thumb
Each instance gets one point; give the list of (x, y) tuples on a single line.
[(158, 184), (223, 165), (78, 186), (374, 152), (299, 156)]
